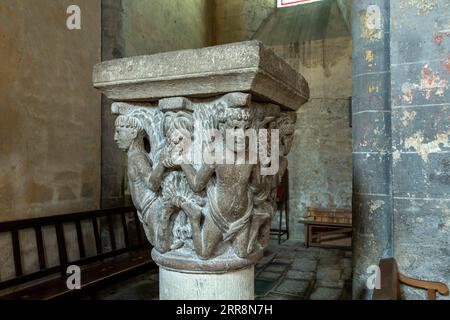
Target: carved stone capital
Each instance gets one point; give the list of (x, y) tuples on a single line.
[(203, 170)]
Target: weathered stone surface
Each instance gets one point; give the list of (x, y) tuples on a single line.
[(295, 287), (401, 188), (245, 66), (143, 290), (275, 296), (346, 264), (185, 208), (204, 215), (300, 275), (329, 260), (329, 273), (304, 264), (330, 283), (193, 286), (276, 268), (269, 275), (324, 293)]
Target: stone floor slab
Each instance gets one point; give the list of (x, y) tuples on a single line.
[(329, 273), (269, 275), (330, 284), (323, 293), (278, 296), (300, 275), (304, 264), (279, 268), (294, 287)]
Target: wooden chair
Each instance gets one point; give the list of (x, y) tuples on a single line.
[(391, 279)]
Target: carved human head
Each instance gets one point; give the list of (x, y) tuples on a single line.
[(178, 127), (128, 128), (237, 119), (286, 124)]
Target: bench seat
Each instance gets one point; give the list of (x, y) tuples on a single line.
[(92, 278), (325, 222), (107, 266)]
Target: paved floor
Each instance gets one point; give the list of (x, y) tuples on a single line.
[(287, 272), (291, 271)]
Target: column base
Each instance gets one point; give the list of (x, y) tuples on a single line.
[(233, 285)]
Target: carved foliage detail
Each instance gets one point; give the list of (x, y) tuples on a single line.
[(186, 203)]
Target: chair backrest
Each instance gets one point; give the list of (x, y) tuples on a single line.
[(391, 279), (58, 222), (390, 284)]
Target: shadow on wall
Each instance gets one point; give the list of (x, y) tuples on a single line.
[(315, 40), (316, 21)]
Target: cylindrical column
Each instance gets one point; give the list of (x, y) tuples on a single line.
[(183, 285), (371, 139), (420, 64)]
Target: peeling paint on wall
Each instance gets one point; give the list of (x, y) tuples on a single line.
[(441, 36), (430, 84), (407, 117), (373, 88), (375, 204), (372, 28), (423, 6), (407, 90), (396, 155), (416, 141), (369, 56)]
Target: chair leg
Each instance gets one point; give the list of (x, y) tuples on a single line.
[(307, 236)]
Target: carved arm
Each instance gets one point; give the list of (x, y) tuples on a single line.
[(156, 176), (197, 179)]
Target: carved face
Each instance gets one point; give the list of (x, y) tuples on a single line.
[(239, 121), (286, 124), (124, 136), (238, 143)]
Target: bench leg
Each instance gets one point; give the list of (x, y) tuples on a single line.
[(307, 236)]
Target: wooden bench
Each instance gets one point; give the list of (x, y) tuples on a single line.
[(100, 269), (391, 279), (323, 223)]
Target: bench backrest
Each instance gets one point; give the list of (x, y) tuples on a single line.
[(334, 215), (57, 222)]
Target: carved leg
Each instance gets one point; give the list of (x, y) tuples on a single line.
[(211, 237), (241, 242), (258, 220), (264, 235), (205, 238), (163, 235)]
